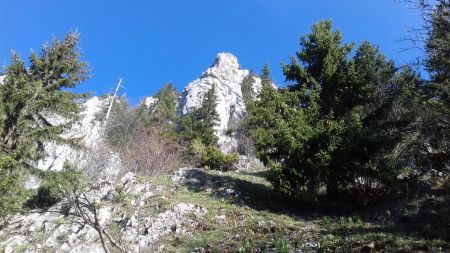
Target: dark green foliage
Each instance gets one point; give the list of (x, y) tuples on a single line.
[(166, 107), (11, 196), (265, 73), (29, 96), (436, 105), (198, 128), (54, 186), (334, 130), (248, 92), (322, 58), (256, 114), (437, 44), (211, 156), (163, 114), (199, 124)]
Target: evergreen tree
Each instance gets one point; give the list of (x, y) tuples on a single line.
[(166, 107), (29, 97), (438, 46), (320, 63), (36, 106), (198, 128), (436, 123), (200, 123), (248, 92), (335, 127), (265, 76), (11, 196)]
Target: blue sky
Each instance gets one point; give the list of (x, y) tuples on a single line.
[(149, 43)]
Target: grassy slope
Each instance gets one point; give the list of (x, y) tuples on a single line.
[(254, 219)]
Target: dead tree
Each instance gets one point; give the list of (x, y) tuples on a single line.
[(79, 205), (112, 100)]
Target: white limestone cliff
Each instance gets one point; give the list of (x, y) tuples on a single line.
[(89, 130), (227, 75)]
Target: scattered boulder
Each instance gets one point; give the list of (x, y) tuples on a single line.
[(51, 230)]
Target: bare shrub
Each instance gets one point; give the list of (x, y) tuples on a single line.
[(99, 162), (144, 147), (245, 143), (152, 153), (80, 205)]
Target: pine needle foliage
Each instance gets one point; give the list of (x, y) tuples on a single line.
[(36, 102)]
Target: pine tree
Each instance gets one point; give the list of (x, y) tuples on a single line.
[(248, 92), (339, 122), (11, 196), (36, 106), (320, 63), (167, 102), (265, 76), (438, 45), (200, 123), (437, 103), (197, 127), (31, 96)]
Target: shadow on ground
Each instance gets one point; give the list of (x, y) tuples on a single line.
[(237, 191), (429, 221)]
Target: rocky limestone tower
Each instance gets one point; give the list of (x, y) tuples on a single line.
[(226, 74)]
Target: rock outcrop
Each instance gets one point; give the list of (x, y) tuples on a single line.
[(89, 130), (124, 200), (226, 74), (126, 211)]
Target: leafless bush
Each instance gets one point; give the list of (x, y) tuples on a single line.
[(245, 143), (151, 153), (100, 163), (80, 205), (143, 147)]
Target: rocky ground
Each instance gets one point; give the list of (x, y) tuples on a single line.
[(197, 210), (132, 211)]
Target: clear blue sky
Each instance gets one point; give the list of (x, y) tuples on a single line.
[(152, 42)]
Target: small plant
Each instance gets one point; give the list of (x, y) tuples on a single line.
[(59, 221), (157, 205), (53, 186), (282, 245), (247, 248), (62, 237), (211, 156), (119, 194), (230, 131)]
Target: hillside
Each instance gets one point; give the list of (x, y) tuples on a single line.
[(197, 210), (350, 154)]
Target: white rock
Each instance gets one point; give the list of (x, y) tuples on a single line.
[(89, 129), (91, 248), (150, 103), (171, 221), (14, 241), (188, 175), (32, 182), (226, 74)]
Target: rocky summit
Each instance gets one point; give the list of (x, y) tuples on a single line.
[(227, 75)]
